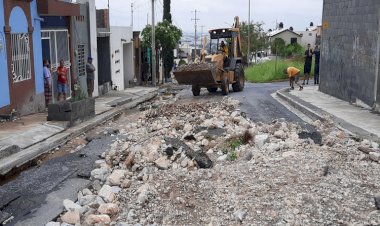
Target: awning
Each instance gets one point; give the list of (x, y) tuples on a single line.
[(57, 8)]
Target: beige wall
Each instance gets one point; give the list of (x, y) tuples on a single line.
[(286, 36)]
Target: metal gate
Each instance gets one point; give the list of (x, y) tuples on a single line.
[(57, 42)]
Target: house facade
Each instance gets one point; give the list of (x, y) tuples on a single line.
[(57, 38), (122, 66), (311, 35), (21, 81), (287, 35), (350, 51)]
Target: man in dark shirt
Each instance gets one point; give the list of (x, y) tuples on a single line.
[(317, 55), (90, 69), (307, 67)]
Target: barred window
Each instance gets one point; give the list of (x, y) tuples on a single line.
[(81, 60), (20, 51)]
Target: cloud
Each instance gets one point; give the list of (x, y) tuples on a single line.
[(218, 13)]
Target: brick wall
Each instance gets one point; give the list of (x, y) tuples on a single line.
[(349, 49)]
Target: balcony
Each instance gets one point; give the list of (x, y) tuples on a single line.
[(57, 8)]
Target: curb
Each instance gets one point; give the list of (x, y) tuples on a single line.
[(319, 114), (309, 112), (34, 151)]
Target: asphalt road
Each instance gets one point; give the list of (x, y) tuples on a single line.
[(256, 101), (37, 193)]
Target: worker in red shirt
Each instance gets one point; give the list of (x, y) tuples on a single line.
[(62, 81)]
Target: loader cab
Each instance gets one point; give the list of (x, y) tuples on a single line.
[(229, 36)]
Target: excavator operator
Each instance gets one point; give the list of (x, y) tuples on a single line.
[(224, 48)]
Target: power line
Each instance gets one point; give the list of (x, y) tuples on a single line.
[(195, 19)]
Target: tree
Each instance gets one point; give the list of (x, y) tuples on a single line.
[(291, 28), (281, 25), (167, 15), (167, 37), (278, 46), (259, 38), (167, 54)]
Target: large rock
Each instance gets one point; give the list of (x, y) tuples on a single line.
[(130, 160), (162, 163), (86, 200), (70, 205), (273, 147), (374, 156), (260, 140), (116, 177), (108, 208), (71, 217), (240, 214), (53, 224), (100, 174), (188, 128), (106, 194), (98, 219)]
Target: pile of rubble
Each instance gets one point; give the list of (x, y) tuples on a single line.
[(206, 164)]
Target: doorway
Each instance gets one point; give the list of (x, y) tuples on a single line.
[(55, 47)]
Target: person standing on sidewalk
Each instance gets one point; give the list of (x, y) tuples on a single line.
[(294, 76), (308, 62), (62, 81), (317, 56), (90, 69), (47, 83)]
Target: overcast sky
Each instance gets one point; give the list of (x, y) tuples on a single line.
[(218, 13)]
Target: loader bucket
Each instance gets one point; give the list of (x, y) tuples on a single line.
[(195, 77), (202, 74)]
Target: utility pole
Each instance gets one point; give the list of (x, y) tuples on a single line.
[(249, 31), (153, 47), (132, 15), (195, 19)]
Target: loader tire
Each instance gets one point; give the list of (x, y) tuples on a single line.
[(238, 86), (225, 86), (196, 90), (212, 89)]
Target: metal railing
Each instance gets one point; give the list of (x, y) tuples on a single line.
[(20, 51)]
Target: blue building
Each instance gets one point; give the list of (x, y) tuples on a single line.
[(21, 80)]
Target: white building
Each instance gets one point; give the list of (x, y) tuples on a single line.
[(122, 66), (287, 35), (311, 36)]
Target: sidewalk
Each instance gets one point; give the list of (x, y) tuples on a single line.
[(317, 105), (27, 138)]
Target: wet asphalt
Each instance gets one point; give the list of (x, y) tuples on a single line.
[(28, 191)]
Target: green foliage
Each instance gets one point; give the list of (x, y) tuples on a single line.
[(235, 143), (294, 50), (278, 47), (258, 38), (167, 37), (181, 62), (269, 71), (231, 146), (232, 156), (80, 95)]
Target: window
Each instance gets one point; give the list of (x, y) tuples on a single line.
[(20, 51), (81, 61), (293, 40)]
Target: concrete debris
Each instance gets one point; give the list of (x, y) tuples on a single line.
[(167, 166)]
